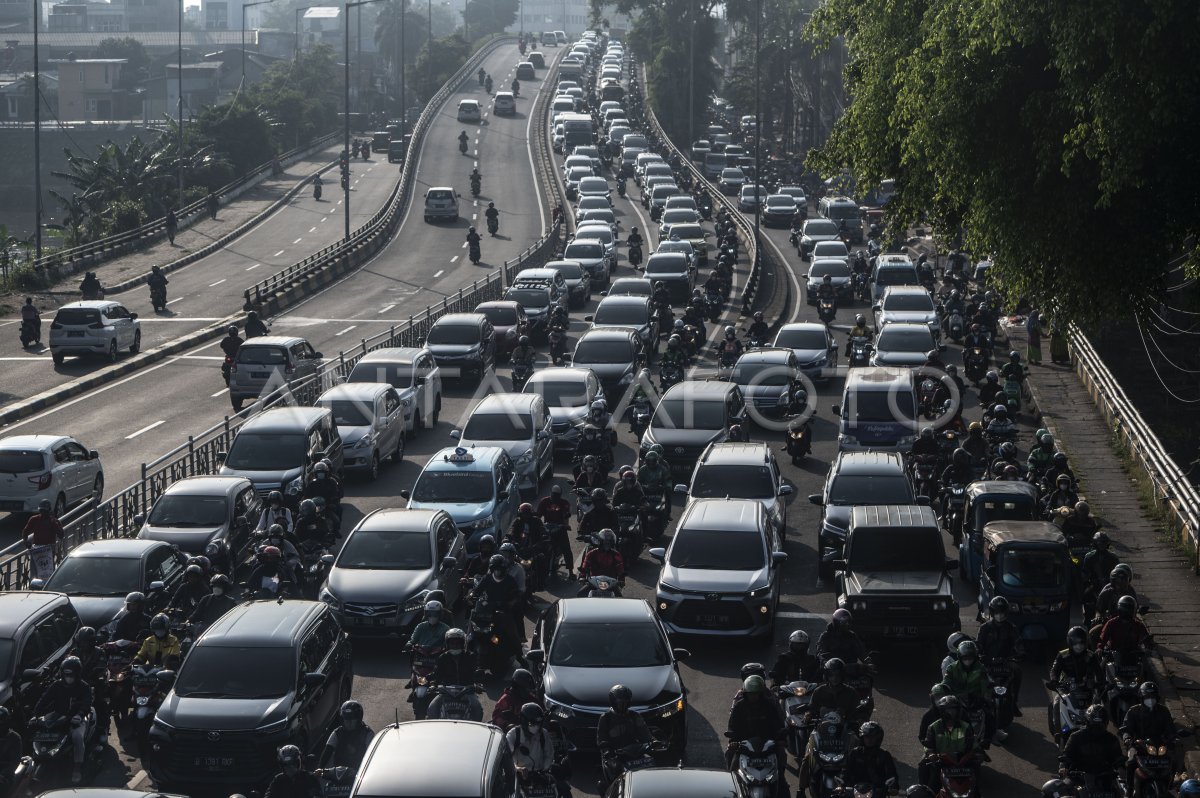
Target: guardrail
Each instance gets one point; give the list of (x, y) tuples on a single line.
[(111, 246), (115, 516), (1171, 487)]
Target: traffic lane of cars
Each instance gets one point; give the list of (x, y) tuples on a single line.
[(211, 289)]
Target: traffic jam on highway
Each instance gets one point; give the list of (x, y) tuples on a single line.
[(561, 546)]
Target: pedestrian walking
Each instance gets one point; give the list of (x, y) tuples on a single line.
[(1033, 328)]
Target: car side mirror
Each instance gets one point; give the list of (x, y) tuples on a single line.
[(837, 409), (139, 519), (836, 563), (536, 655), (316, 356), (681, 490), (242, 522), (314, 680), (421, 341), (786, 490), (93, 454), (455, 434), (603, 293), (166, 679), (680, 654), (327, 559), (922, 500), (833, 347), (133, 316), (221, 457), (779, 556), (29, 674), (37, 584), (405, 493), (157, 586), (659, 553), (816, 498), (876, 308), (449, 562)]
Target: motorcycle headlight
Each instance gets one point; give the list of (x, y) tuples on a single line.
[(940, 605), (830, 756), (295, 486)]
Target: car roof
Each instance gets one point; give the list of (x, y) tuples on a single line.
[(882, 375), (607, 334), (463, 319), (485, 458), (906, 325), (558, 374), (681, 783), (354, 390), (206, 485), (608, 610), (868, 463), (722, 514), (696, 389), (807, 326), (893, 515), (509, 304), (261, 624), (105, 792), (905, 289), (16, 607), (444, 758), (41, 442), (393, 354), (997, 533), (736, 453), (119, 548), (770, 354), (1001, 487), (624, 299), (398, 519), (91, 304), (536, 274), (506, 403), (284, 418), (274, 340)]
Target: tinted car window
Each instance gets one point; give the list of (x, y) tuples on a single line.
[(454, 334), (505, 317), (466, 487), (498, 427), (896, 549), (603, 352), (608, 645), (398, 376), (15, 461), (7, 651), (386, 549), (221, 672), (678, 413), (718, 550), (737, 482), (81, 576), (863, 489), (77, 316), (184, 510), (266, 451), (262, 355)]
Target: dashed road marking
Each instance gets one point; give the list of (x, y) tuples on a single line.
[(176, 299), (252, 268), (280, 252), (386, 308), (146, 428), (297, 241), (343, 332), (218, 282), (221, 392), (440, 272)]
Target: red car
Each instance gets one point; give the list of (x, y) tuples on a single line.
[(508, 319)]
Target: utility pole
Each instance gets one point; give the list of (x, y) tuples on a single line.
[(37, 133), (179, 57), (242, 85), (346, 122), (757, 127)]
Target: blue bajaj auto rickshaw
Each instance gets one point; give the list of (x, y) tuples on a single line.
[(1028, 563), (986, 501)]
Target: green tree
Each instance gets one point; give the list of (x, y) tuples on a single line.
[(300, 98), (485, 17), (138, 68), (1047, 131), (238, 132), (449, 54)]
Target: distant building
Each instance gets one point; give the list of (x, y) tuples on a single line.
[(117, 16), (222, 14), (201, 87), (570, 16), (87, 90)]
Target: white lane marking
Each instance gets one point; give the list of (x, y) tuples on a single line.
[(297, 241), (146, 428), (386, 308), (252, 268), (454, 259), (221, 392), (218, 282), (201, 357), (177, 319), (533, 171), (464, 246), (29, 357), (280, 252), (801, 616), (348, 329), (339, 202), (176, 299), (474, 216), (440, 272), (323, 218), (137, 781), (312, 229)]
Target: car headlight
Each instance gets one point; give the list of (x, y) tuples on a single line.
[(1057, 606), (477, 524), (365, 442), (330, 599), (858, 606), (275, 727), (663, 587), (417, 602), (559, 710), (295, 486), (760, 592), (941, 605), (667, 710)]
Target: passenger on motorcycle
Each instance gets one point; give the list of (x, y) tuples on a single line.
[(967, 679), (925, 445), (1062, 496), (310, 526), (795, 663), (1097, 566), (555, 512), (1041, 457), (601, 516), (674, 355), (619, 727), (533, 748), (1006, 456), (131, 623), (870, 763), (160, 647), (999, 638), (602, 560), (839, 640), (860, 330), (954, 303), (1077, 662), (457, 666), (522, 689), (324, 485), (950, 734), (1118, 589), (991, 393), (757, 716), (1080, 526), (1149, 720), (215, 604), (188, 595), (516, 571), (293, 781), (629, 492), (71, 697), (590, 476), (594, 442), (275, 513), (936, 694), (94, 666), (347, 744), (255, 327), (271, 573)]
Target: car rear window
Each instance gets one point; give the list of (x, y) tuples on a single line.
[(500, 316), (77, 317), (439, 195), (584, 251), (262, 355), (454, 334), (17, 461), (395, 375)]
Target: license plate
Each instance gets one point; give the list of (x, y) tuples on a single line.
[(213, 762), (12, 507), (900, 631), (369, 621), (712, 620), (259, 375), (74, 333)]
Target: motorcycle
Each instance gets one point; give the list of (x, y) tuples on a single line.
[(476, 185), (486, 634), (975, 364), (621, 188), (794, 699), (629, 533), (798, 443), (317, 191), (226, 368), (955, 502), (473, 253), (757, 767), (794, 237), (955, 327), (150, 685), (583, 503), (521, 371), (557, 338), (830, 743), (927, 395), (955, 773), (1070, 701), (859, 287), (158, 298), (424, 663), (635, 255), (118, 656), (669, 374), (1153, 773), (633, 757), (52, 743), (639, 415), (826, 310), (454, 704), (487, 84), (1000, 679), (1092, 785), (924, 474), (601, 586), (335, 782), (860, 352), (31, 332), (493, 224), (1012, 393), (536, 784), (714, 301), (317, 562), (462, 146), (861, 676), (1122, 675)]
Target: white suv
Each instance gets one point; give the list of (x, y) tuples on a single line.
[(101, 328), (53, 468), (741, 471)]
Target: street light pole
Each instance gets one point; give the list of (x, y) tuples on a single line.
[(242, 85), (298, 10), (37, 134), (757, 127), (691, 71), (346, 118), (179, 91), (429, 52), (400, 46)]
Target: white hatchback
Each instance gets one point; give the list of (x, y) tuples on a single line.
[(53, 468), (94, 328)]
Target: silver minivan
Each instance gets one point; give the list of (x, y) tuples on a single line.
[(94, 328), (370, 420), (519, 423), (268, 362), (441, 203)]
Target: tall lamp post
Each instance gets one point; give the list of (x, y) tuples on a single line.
[(179, 91), (757, 127), (400, 42), (242, 85), (346, 123), (37, 133)]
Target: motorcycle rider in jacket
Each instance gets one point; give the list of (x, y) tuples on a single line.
[(532, 746), (601, 516), (347, 744), (457, 666), (950, 734), (967, 680), (619, 727), (757, 716), (840, 640), (131, 623), (216, 603), (795, 663), (759, 329), (999, 638), (524, 353), (1092, 750), (603, 560), (254, 326), (629, 492), (71, 697), (1077, 662), (521, 690), (94, 665), (556, 511), (293, 781), (160, 647), (869, 763), (1149, 720)]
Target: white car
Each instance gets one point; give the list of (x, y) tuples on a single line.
[(520, 424), (414, 374), (469, 111), (94, 328), (53, 468), (504, 104)]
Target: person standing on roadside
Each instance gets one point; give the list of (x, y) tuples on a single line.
[(41, 535), (1033, 328)]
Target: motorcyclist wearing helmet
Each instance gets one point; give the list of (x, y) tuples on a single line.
[(1001, 426), (591, 476), (477, 565), (925, 445), (660, 296), (975, 444), (860, 330), (870, 763), (1000, 639), (1190, 789), (132, 623), (1006, 455), (310, 526), (94, 665), (278, 537), (347, 744), (160, 647), (991, 392), (1148, 720), (555, 512), (271, 573), (1125, 633), (598, 415), (275, 513), (516, 571), (1040, 457), (1013, 369), (959, 472), (977, 339), (795, 663), (840, 640), (602, 560), (70, 697), (827, 291), (524, 353), (936, 693), (833, 694), (215, 604), (522, 689), (1097, 565), (501, 592), (11, 749), (967, 678), (629, 492), (951, 734), (292, 780), (601, 516), (457, 666), (759, 329), (1080, 526), (674, 355), (757, 715), (232, 342), (532, 747), (595, 442), (430, 633), (634, 239), (1120, 580), (1063, 495), (1077, 662), (655, 478), (188, 594), (255, 327), (526, 530), (1059, 466), (619, 728), (325, 485)]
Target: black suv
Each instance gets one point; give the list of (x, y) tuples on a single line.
[(689, 417), (36, 630), (267, 674)]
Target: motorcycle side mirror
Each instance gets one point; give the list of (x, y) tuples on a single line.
[(314, 680), (816, 498), (565, 356), (681, 489), (1143, 610), (658, 553), (833, 347), (327, 559), (681, 654), (922, 500), (455, 434), (166, 679), (139, 519), (786, 490), (876, 307), (157, 586), (729, 735), (536, 655), (405, 493), (604, 293), (449, 563)]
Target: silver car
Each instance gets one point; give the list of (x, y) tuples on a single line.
[(414, 374), (521, 425), (53, 468), (370, 420), (94, 328), (269, 362), (590, 254)]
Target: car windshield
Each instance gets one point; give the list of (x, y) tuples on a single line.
[(440, 195), (454, 487), (560, 394), (681, 413), (621, 313), (854, 489), (180, 509), (678, 215), (732, 174), (16, 461), (840, 212), (718, 550), (733, 481), (675, 246), (1032, 569), (830, 249), (587, 351), (602, 234), (831, 267), (668, 266), (777, 201), (513, 426), (598, 215), (594, 204), (262, 355), (386, 550), (801, 339), (454, 334), (398, 375), (222, 672), (894, 339), (528, 297), (609, 645), (594, 185), (664, 191), (905, 275), (96, 576), (634, 140), (266, 451), (587, 251), (908, 302), (630, 287), (569, 271), (869, 406), (77, 317), (500, 316), (820, 227), (687, 231), (776, 374), (349, 413), (896, 549)]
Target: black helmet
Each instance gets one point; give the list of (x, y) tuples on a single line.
[(497, 563), (1097, 716), (160, 623), (85, 636), (967, 649), (1008, 450), (5, 720), (1126, 606), (950, 705), (232, 329), (273, 497), (798, 642), (523, 680), (71, 666), (961, 457), (220, 580), (136, 597), (998, 605), (620, 697), (993, 377), (523, 340), (194, 571), (1059, 458), (1077, 634), (927, 433), (753, 669), (873, 730), (599, 495), (290, 756), (1147, 690), (1101, 540), (351, 711), (531, 713), (834, 665), (487, 541)]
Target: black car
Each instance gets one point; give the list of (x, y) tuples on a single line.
[(689, 417), (36, 630), (268, 673), (98, 574), (673, 782)]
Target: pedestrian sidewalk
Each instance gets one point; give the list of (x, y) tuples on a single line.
[(1163, 575), (190, 239)]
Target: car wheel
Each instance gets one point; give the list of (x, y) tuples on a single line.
[(237, 403), (112, 351), (398, 455), (373, 474), (437, 409), (136, 346), (58, 358), (416, 425), (98, 487), (60, 506)]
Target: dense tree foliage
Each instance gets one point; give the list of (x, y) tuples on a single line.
[(301, 98), (1058, 135)]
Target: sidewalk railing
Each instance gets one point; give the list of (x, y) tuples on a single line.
[(1171, 486)]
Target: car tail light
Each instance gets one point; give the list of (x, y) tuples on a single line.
[(55, 326), (289, 369), (96, 325), (42, 481)]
